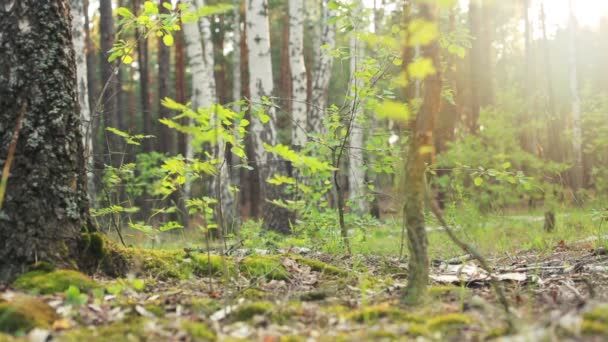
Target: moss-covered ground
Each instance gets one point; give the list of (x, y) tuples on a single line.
[(161, 295)]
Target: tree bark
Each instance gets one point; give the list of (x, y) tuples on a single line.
[(298, 73), (553, 136), (475, 64), (144, 83), (165, 136), (79, 40), (108, 76), (321, 71), (261, 85), (46, 203), (356, 175), (577, 175), (419, 155)]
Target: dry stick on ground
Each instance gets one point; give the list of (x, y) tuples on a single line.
[(11, 153), (477, 256)]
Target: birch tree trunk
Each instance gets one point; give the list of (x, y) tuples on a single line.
[(165, 135), (261, 85), (298, 73), (356, 176), (577, 135), (79, 40), (199, 49), (322, 71), (45, 204), (236, 58), (415, 167)]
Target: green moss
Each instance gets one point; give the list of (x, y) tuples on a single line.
[(53, 282), (24, 313), (292, 338), (96, 245), (253, 294), (599, 314), (382, 335), (43, 266), (496, 332), (128, 330), (211, 265), (445, 321), (377, 312), (313, 296), (205, 305), (269, 267), (594, 328), (198, 331), (416, 330), (248, 310), (157, 310), (320, 266), (6, 338)]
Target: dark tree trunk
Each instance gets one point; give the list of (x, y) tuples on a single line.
[(415, 168), (219, 70), (46, 203), (144, 83), (110, 90), (165, 134), (475, 64), (180, 86)]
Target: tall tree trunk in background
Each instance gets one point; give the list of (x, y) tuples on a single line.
[(79, 40), (165, 135), (261, 85), (45, 205), (475, 63), (450, 111), (321, 71), (415, 167), (218, 35), (236, 58), (529, 131), (144, 83), (298, 74), (356, 174), (486, 91), (110, 83), (577, 176), (92, 68), (199, 47), (180, 86), (554, 138), (285, 78)]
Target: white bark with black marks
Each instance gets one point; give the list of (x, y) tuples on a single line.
[(298, 73)]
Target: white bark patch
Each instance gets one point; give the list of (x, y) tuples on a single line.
[(24, 25), (260, 81), (298, 73), (9, 5)]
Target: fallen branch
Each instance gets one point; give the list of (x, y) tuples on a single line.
[(477, 256)]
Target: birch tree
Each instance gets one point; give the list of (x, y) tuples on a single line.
[(322, 70), (261, 86), (298, 73), (356, 177), (79, 40), (199, 49)]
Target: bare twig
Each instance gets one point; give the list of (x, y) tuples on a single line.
[(11, 153)]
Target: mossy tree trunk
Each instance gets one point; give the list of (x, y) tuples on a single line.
[(46, 203), (420, 153)]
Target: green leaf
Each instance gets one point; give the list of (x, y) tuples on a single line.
[(421, 68), (170, 226), (478, 181), (393, 110), (168, 6), (150, 7), (168, 40), (127, 59), (124, 12)]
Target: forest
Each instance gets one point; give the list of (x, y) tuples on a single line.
[(303, 170)]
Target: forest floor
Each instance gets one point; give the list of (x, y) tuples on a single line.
[(562, 294), (297, 294)]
